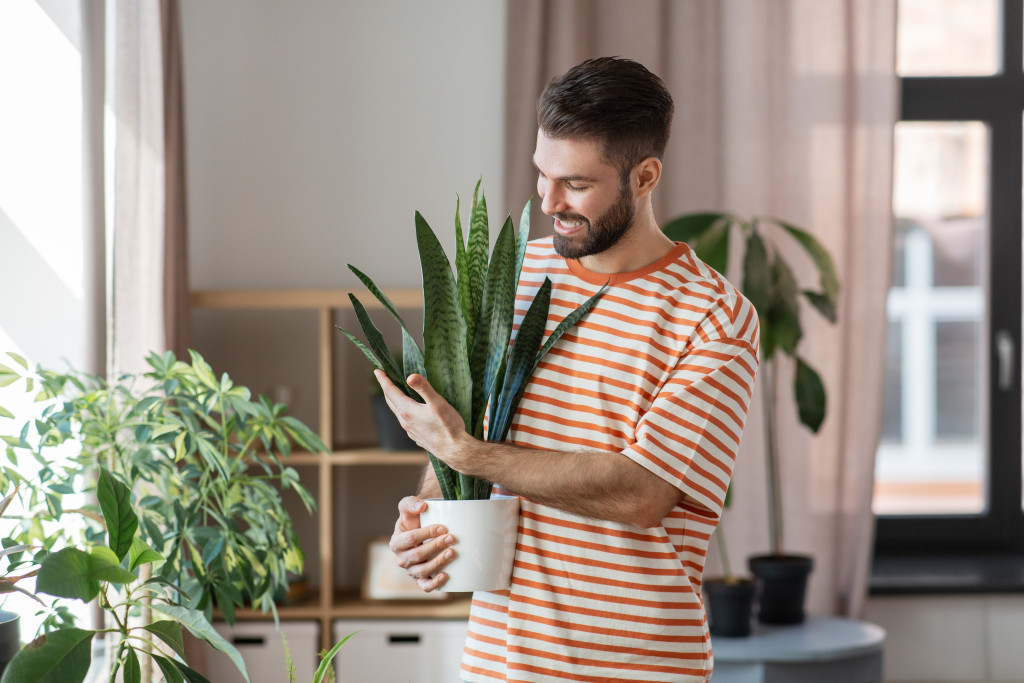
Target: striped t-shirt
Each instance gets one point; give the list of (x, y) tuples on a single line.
[(660, 370)]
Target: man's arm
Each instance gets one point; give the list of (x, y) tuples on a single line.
[(598, 484)]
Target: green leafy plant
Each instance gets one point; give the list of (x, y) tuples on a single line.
[(112, 575), (324, 672), (467, 331), (770, 285), (193, 471)]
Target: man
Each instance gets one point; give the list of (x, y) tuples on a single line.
[(623, 444)]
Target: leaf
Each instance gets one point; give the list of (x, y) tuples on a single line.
[(104, 565), (784, 312), (170, 633), (445, 346), (712, 246), (495, 328), (825, 306), (140, 554), (66, 574), (168, 669), (61, 656), (520, 364), (476, 261), (198, 626), (20, 360), (132, 670), (411, 352), (822, 260), (810, 395), (115, 503), (757, 276), (325, 662), (691, 226)]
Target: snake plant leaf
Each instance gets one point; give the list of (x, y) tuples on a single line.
[(446, 478), (810, 395), (567, 322), (412, 354), (460, 250), (376, 341), (520, 364), (757, 275), (495, 327), (522, 237), (374, 361), (379, 295), (445, 347), (475, 270), (784, 311), (826, 267)]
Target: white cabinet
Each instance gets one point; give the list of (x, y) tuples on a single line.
[(400, 650), (262, 648)]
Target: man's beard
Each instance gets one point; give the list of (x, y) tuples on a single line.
[(602, 234)]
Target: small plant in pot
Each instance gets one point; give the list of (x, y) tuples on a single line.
[(476, 360), (768, 281), (729, 597)]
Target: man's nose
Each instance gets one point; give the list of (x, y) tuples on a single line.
[(552, 200)]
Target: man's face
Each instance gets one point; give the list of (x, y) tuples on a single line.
[(582, 192)]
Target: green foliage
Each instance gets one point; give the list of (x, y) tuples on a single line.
[(469, 355), (768, 282), (184, 468)]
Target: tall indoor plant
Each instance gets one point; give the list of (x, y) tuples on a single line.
[(202, 464), (471, 353), (768, 281)]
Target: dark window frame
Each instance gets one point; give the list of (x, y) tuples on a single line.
[(998, 101)]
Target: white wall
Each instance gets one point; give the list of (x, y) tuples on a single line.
[(315, 129)]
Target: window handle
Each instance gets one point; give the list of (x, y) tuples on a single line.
[(1005, 354)]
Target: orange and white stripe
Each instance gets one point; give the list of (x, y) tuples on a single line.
[(660, 370)]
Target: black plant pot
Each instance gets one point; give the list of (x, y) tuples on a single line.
[(730, 606), (782, 587), (10, 638), (389, 430)]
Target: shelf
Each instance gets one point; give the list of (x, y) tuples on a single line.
[(350, 606), (299, 298), (358, 456)]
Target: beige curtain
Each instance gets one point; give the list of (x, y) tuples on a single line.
[(148, 305), (786, 108)]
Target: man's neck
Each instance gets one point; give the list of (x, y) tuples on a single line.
[(641, 246)]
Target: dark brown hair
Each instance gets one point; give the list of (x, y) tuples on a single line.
[(612, 100)]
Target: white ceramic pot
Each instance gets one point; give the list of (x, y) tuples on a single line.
[(485, 540)]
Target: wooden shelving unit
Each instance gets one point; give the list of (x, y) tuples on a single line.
[(329, 604)]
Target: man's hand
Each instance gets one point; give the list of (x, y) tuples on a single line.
[(423, 553), (434, 424)]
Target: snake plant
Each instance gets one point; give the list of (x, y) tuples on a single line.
[(470, 354)]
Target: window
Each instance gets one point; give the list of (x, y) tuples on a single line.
[(948, 471)]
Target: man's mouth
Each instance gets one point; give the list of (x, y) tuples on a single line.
[(566, 225)]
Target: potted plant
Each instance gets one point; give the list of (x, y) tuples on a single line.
[(189, 469), (768, 281), (473, 358), (729, 597)]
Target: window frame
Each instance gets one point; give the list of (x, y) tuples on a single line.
[(997, 101)]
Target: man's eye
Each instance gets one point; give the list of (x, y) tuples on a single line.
[(575, 188)]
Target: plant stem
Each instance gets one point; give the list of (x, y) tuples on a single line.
[(771, 450), (723, 552)]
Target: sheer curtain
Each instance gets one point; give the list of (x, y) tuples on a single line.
[(783, 108), (148, 291)]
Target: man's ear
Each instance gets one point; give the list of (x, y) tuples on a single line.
[(646, 176)]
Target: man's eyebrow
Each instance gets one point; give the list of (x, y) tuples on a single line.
[(568, 178)]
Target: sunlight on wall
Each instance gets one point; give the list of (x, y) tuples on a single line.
[(42, 267), (41, 137)]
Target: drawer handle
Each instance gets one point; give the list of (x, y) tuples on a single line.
[(402, 639), (248, 640)]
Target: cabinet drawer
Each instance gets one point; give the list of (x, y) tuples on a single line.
[(410, 651)]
